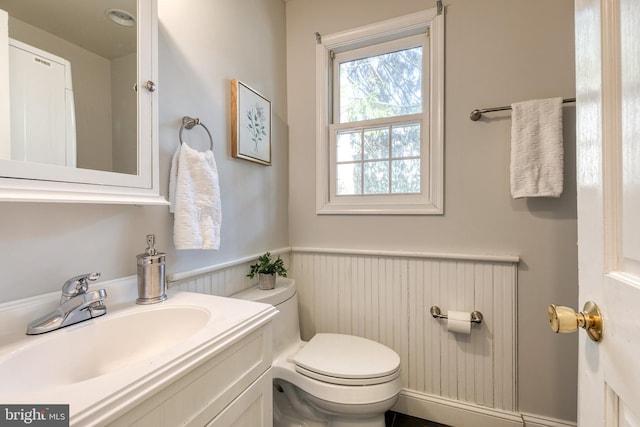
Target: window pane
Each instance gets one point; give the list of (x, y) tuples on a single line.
[(376, 143), (386, 85), (406, 140), (349, 146), (349, 179), (405, 176), (376, 178)]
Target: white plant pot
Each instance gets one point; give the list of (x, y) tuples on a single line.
[(266, 281)]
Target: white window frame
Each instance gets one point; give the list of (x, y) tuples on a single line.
[(430, 200)]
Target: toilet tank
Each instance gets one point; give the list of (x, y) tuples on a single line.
[(286, 329)]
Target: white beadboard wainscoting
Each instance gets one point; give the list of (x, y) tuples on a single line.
[(386, 296), (467, 380), (223, 279)]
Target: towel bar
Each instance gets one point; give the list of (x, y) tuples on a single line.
[(476, 114)]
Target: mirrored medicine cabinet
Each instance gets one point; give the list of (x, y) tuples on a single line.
[(78, 101)]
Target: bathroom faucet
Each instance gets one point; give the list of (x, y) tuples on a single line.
[(77, 285), (76, 305)]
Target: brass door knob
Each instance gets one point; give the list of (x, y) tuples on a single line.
[(565, 320)]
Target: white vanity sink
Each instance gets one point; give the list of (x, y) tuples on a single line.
[(105, 366), (98, 347)]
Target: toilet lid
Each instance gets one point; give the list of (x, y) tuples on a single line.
[(347, 359)]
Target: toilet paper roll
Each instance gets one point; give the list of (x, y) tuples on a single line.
[(459, 322)]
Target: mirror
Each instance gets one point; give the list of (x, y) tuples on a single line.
[(92, 138), (72, 70)]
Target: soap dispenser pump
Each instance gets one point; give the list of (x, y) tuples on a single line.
[(151, 277)]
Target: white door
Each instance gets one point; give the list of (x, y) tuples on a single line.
[(608, 147)]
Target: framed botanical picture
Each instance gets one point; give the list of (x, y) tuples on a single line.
[(250, 124)]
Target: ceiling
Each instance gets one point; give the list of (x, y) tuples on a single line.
[(81, 22)]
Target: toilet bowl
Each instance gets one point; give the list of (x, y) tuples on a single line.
[(334, 380)]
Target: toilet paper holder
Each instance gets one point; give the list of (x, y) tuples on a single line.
[(476, 316)]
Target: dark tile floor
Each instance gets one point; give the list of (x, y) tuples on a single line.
[(394, 419)]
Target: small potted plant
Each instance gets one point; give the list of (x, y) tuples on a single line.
[(267, 268)]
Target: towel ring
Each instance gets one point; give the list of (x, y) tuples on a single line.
[(189, 123)]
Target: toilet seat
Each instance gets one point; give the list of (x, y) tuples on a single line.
[(347, 360)]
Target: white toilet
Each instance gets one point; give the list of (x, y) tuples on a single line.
[(334, 379)]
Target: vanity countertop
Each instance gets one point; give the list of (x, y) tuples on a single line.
[(107, 364)]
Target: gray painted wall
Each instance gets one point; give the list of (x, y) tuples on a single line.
[(497, 52), (203, 44)]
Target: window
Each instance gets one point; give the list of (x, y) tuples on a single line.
[(376, 138), (379, 129)]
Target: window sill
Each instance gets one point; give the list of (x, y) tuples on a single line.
[(379, 209)]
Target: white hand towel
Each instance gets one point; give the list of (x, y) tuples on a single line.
[(537, 152), (194, 197)]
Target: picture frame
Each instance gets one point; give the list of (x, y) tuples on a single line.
[(250, 124)]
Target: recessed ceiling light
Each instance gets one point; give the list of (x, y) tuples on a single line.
[(121, 17)]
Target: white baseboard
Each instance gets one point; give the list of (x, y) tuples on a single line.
[(453, 412), (531, 420), (462, 414)]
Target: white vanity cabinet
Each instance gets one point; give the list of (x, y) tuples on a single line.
[(253, 408), (231, 388), (193, 360)]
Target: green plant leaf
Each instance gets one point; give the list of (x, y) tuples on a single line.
[(266, 264)]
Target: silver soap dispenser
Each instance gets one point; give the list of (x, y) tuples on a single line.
[(151, 278)]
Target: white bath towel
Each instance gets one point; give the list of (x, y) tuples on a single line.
[(537, 152), (194, 197)]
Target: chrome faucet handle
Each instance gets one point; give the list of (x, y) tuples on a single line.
[(77, 285)]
